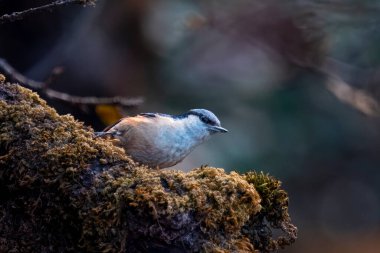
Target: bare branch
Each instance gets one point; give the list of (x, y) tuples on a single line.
[(357, 98), (17, 76), (64, 97), (353, 86), (122, 101), (6, 18)]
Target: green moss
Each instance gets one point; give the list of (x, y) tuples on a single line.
[(65, 190), (273, 215)]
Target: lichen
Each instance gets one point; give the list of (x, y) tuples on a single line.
[(65, 190)]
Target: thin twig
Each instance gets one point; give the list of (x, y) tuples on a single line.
[(6, 18), (61, 96)]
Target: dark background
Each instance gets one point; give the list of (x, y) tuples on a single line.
[(263, 67)]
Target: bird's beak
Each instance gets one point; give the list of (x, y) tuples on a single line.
[(218, 129)]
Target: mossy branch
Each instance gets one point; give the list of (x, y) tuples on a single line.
[(65, 191)]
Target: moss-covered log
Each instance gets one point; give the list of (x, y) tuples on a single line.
[(62, 190)]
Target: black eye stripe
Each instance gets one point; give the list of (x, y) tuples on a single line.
[(201, 116), (207, 120)]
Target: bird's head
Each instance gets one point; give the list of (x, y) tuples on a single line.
[(202, 123), (207, 120)]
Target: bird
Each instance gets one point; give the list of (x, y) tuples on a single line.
[(162, 140)]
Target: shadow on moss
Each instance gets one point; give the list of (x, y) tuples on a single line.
[(64, 190)]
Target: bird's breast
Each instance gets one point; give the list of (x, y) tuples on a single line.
[(173, 144)]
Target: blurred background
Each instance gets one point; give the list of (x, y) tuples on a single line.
[(296, 83)]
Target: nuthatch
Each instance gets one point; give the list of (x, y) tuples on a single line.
[(161, 140)]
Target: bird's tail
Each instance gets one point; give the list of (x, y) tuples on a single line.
[(102, 134)]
